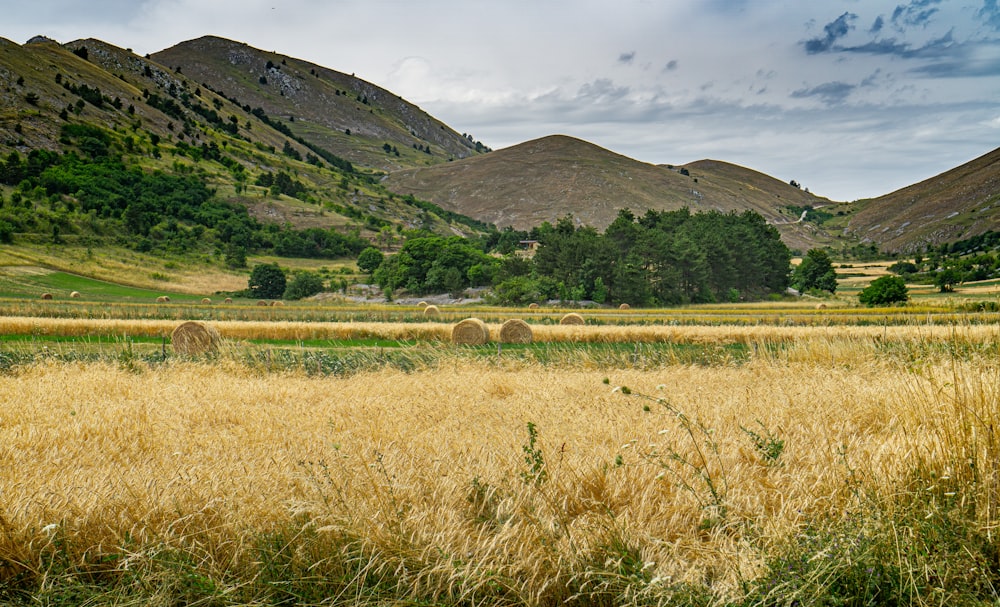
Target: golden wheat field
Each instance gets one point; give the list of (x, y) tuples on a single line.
[(831, 464)]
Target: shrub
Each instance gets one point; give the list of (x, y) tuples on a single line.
[(884, 290), (305, 284), (815, 272), (267, 281), (370, 259)]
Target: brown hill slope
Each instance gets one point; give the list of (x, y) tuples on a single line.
[(547, 178), (346, 115), (954, 205)]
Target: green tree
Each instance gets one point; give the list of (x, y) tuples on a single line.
[(267, 281), (946, 279), (815, 272), (304, 284), (884, 290), (236, 256), (370, 259)]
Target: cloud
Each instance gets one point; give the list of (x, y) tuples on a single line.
[(831, 93), (600, 91), (917, 13), (990, 14), (671, 66), (626, 58), (877, 26), (836, 29)]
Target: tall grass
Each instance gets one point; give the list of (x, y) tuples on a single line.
[(285, 330), (834, 470)]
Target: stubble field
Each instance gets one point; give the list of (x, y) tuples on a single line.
[(750, 463)]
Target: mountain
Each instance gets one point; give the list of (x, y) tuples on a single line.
[(236, 117), (325, 104), (545, 179), (231, 114), (955, 205)]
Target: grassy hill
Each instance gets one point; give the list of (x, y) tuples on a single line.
[(955, 205), (160, 117), (547, 178)]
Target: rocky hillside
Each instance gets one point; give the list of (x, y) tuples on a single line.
[(346, 115), (955, 205)]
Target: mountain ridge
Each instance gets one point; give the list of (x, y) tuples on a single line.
[(269, 111)]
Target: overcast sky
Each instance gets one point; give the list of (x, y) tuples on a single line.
[(851, 98)]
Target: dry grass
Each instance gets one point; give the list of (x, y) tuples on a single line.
[(428, 470), (436, 331)]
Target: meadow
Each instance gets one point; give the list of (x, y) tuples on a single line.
[(753, 454)]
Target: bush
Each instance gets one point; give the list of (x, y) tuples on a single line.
[(305, 284), (517, 291), (815, 272), (370, 259), (267, 281), (885, 290)]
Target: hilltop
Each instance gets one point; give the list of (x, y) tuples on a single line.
[(545, 179)]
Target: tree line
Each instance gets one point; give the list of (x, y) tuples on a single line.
[(661, 258)]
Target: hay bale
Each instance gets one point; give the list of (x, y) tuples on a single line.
[(470, 332), (515, 331), (533, 306), (75, 295), (162, 299), (431, 310), (192, 338), (206, 300), (624, 306), (46, 295), (821, 306), (228, 300), (571, 319), (262, 303), (277, 303), (422, 304)]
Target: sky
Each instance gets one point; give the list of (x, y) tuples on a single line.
[(850, 98)]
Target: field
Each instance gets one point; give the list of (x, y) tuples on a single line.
[(751, 454)]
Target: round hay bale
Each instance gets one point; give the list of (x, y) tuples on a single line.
[(262, 303), (515, 331), (470, 332), (75, 295), (277, 303), (422, 304), (533, 306), (624, 306), (431, 310), (228, 300), (206, 300), (162, 299), (46, 295), (192, 338), (821, 306), (572, 319)]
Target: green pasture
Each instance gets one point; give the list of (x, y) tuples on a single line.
[(31, 285)]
